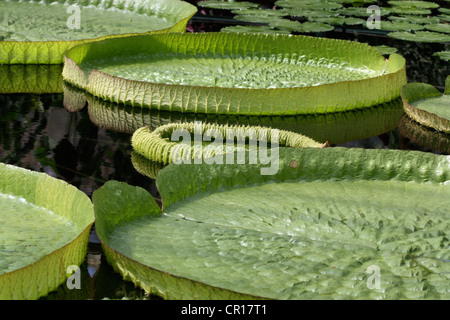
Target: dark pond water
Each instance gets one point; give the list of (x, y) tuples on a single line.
[(86, 142)]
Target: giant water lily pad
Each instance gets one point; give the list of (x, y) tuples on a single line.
[(426, 105), (44, 229), (317, 229), (228, 73), (28, 36), (200, 141)]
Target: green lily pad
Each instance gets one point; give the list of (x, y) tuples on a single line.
[(158, 146), (444, 17), (231, 73), (32, 78), (268, 13), (426, 105), (444, 55), (385, 50), (439, 27), (420, 36), (362, 11), (45, 225), (226, 5), (400, 26), (414, 4), (311, 13), (355, 2), (409, 10), (340, 21), (444, 10), (254, 18), (315, 27), (415, 19), (30, 37), (253, 29), (308, 5), (317, 229)]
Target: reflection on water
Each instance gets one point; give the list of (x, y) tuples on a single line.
[(336, 128), (435, 141), (31, 78)]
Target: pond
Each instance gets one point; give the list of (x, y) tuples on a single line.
[(86, 141)]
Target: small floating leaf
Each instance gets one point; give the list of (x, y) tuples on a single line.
[(415, 19), (311, 13), (426, 105), (155, 145), (226, 5), (420, 36), (400, 26), (409, 10), (385, 50), (253, 29), (444, 17), (308, 5), (338, 20), (440, 27), (414, 4), (362, 12), (444, 55)]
